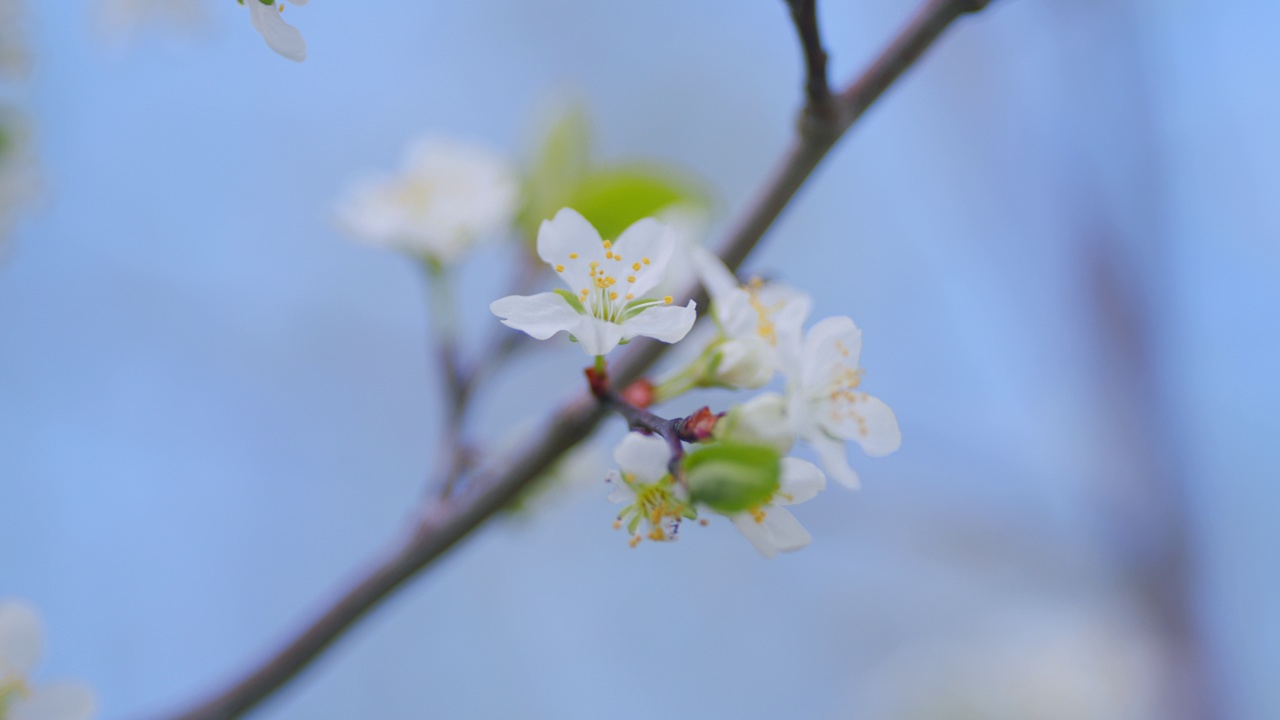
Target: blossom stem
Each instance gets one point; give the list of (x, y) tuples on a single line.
[(453, 384), (441, 526)]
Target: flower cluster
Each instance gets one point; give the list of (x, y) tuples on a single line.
[(20, 647), (741, 469)]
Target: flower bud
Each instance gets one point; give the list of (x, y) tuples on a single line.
[(732, 478), (743, 364)]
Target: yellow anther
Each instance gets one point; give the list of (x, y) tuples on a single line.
[(668, 299), (635, 266), (607, 244), (704, 522), (635, 540), (608, 255), (573, 256), (644, 260), (559, 268), (613, 296), (617, 524), (657, 535), (630, 296), (594, 264), (631, 278)]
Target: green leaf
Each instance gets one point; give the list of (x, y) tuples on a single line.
[(572, 299), (732, 478), (613, 198), (561, 162)]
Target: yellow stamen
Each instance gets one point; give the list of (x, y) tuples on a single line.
[(631, 278), (559, 268), (668, 299), (644, 260), (635, 266), (573, 256)]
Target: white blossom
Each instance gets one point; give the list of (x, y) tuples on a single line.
[(826, 406), (280, 35), (607, 302), (643, 484), (20, 647), (760, 323), (771, 528), (447, 196)]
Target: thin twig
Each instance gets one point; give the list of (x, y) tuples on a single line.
[(804, 13), (447, 523)]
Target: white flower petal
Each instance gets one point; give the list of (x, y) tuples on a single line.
[(869, 422), (713, 273), (649, 240), (801, 481), (762, 420), (668, 323), (20, 638), (778, 531), (831, 342), (619, 491), (55, 701), (541, 315), (738, 318), (569, 234), (745, 363), (597, 336), (280, 35), (644, 456), (836, 463)]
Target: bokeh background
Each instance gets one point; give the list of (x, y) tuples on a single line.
[(1059, 235)]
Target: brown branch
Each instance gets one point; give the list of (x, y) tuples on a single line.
[(451, 520), (804, 13)]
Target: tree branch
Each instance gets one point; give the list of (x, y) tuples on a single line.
[(449, 521), (804, 13)]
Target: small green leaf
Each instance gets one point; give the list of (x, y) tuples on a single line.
[(732, 478), (572, 299), (615, 197)]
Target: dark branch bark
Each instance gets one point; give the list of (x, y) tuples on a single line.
[(804, 13), (447, 523)]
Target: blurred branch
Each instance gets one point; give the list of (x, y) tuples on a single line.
[(453, 385), (453, 518), (804, 13)]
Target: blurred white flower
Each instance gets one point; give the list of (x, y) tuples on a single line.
[(280, 35), (644, 484), (1046, 664), (825, 405), (447, 196), (610, 280), (20, 647), (771, 528), (760, 323)]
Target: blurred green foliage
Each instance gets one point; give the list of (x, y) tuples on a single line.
[(611, 196)]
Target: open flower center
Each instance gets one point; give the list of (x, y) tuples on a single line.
[(764, 314), (657, 506), (841, 394), (609, 292)]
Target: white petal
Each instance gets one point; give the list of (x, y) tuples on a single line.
[(668, 323), (619, 492), (834, 460), (55, 701), (644, 456), (646, 239), (20, 638), (869, 422), (597, 336), (778, 531), (541, 315), (745, 363), (801, 481), (830, 343), (713, 273), (737, 316), (789, 310), (280, 35), (568, 233), (762, 420)]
